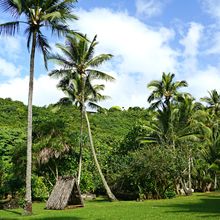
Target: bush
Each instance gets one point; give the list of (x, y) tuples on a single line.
[(169, 194), (40, 190)]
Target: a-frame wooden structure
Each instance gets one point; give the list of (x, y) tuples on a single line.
[(65, 194)]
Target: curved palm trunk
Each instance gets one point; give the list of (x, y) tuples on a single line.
[(28, 199), (80, 146), (108, 190)]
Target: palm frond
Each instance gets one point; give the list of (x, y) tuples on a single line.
[(44, 46), (93, 105), (98, 60), (90, 51), (9, 28), (57, 73), (50, 6), (155, 105), (69, 54), (60, 60), (14, 7), (97, 74), (59, 29), (63, 102)]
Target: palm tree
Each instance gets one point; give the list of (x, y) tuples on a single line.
[(213, 101), (164, 90), (77, 74), (52, 15), (172, 124), (211, 131), (210, 135)]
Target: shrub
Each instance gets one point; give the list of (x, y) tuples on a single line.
[(40, 190)]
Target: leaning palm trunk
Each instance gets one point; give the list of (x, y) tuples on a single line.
[(81, 150), (28, 199), (108, 190)]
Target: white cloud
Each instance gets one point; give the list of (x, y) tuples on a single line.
[(8, 69), (141, 53), (212, 7), (191, 42), (215, 47), (192, 39), (149, 8), (203, 81), (201, 78), (45, 91)]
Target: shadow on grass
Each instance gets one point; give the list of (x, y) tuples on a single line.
[(205, 207), (58, 218), (12, 211), (20, 214)]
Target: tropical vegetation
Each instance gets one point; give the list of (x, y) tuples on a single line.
[(169, 148)]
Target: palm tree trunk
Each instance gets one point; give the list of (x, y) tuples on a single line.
[(80, 146), (186, 191), (28, 199), (82, 110), (190, 168), (215, 182), (108, 190)]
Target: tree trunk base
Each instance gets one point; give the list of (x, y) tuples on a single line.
[(28, 208), (112, 198)]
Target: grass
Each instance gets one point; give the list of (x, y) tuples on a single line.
[(198, 206)]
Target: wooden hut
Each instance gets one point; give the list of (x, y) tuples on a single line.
[(65, 194)]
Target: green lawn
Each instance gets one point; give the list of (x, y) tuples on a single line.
[(198, 206)]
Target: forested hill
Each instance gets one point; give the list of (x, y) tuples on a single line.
[(112, 122), (145, 153), (54, 128)]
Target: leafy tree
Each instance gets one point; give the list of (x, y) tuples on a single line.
[(77, 74), (12, 140)]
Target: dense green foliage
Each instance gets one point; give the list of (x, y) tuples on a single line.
[(144, 153), (56, 138)]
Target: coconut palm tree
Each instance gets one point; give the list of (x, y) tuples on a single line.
[(35, 15), (77, 73), (172, 124), (211, 131), (213, 101), (164, 90)]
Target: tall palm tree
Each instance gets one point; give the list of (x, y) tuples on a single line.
[(211, 131), (35, 15), (164, 90), (172, 125), (77, 74)]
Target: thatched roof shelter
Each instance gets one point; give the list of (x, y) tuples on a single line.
[(65, 194)]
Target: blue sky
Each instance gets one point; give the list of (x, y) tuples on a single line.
[(146, 37)]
